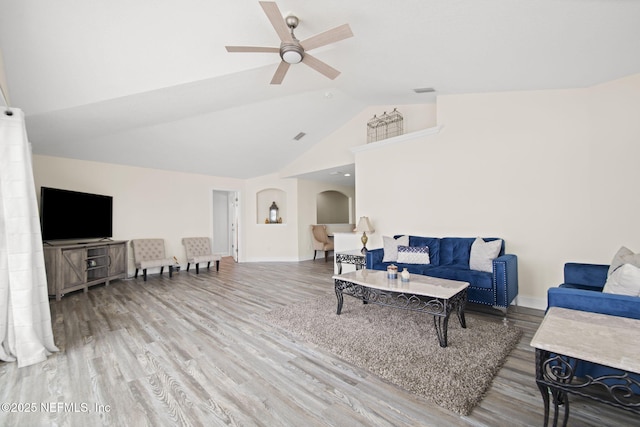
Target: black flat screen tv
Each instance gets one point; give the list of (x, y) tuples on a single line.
[(67, 215)]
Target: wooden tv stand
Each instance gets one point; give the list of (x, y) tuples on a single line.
[(74, 266)]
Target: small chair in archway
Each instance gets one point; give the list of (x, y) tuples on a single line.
[(198, 250), (321, 241)]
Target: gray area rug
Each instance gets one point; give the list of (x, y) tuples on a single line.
[(402, 347)]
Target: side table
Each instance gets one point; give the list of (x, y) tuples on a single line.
[(567, 337), (355, 257)]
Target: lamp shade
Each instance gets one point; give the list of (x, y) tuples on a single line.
[(364, 225)]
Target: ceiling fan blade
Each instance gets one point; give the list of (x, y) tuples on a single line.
[(321, 67), (330, 36), (276, 19), (252, 49), (280, 72)]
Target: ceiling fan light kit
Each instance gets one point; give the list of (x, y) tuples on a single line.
[(293, 51)]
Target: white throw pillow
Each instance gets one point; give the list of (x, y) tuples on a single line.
[(391, 247), (413, 255), (483, 253), (623, 256), (625, 280)]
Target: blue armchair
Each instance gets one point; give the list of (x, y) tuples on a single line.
[(582, 290)]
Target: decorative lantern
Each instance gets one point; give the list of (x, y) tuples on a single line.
[(385, 126), (273, 213), (394, 124)]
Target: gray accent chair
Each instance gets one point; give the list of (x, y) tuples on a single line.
[(150, 253), (198, 250)]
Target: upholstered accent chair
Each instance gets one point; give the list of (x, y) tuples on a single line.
[(150, 253), (320, 240), (198, 250)]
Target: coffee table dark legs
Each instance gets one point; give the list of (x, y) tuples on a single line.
[(561, 375), (544, 391), (461, 307), (340, 300), (441, 324), (559, 399)]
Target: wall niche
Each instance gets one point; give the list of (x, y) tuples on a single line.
[(265, 200), (332, 207)]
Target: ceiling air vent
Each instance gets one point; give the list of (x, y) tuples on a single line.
[(299, 136), (424, 90)]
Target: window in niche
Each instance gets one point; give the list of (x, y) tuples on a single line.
[(332, 207)]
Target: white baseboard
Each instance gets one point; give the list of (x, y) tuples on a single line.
[(274, 259), (531, 302)]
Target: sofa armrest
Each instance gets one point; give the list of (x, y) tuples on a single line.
[(505, 279), (594, 302), (374, 256), (590, 276)]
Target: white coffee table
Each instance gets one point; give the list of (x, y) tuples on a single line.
[(429, 295)]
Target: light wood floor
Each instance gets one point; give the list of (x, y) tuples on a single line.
[(193, 350)]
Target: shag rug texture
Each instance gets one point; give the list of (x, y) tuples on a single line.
[(402, 347)]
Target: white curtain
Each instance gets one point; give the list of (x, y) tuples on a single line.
[(26, 335)]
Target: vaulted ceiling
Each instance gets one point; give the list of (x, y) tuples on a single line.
[(149, 82)]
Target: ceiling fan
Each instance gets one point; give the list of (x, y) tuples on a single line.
[(293, 51)]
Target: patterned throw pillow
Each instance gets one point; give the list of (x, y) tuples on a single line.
[(391, 247), (413, 255)]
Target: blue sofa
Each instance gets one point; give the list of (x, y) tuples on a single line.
[(582, 290), (449, 259)]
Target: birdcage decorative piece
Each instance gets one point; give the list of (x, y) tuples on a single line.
[(376, 129), (395, 124), (385, 126)]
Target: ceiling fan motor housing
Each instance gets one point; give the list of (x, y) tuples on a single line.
[(291, 53), (291, 21)]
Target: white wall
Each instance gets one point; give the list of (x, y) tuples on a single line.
[(147, 203), (151, 203), (551, 172), (307, 211), (271, 242), (334, 151)]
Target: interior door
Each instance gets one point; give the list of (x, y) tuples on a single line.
[(233, 214), (221, 223), (225, 223)]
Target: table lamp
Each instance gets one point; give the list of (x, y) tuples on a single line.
[(365, 226)]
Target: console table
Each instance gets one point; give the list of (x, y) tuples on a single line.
[(74, 266), (355, 257), (567, 337)]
